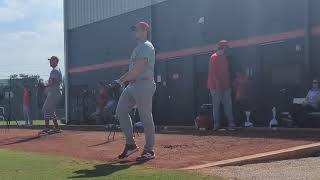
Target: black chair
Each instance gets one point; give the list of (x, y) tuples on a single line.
[(114, 126)]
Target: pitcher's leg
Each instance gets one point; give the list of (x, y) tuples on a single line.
[(47, 109), (125, 104), (145, 112), (227, 105), (216, 100), (143, 97), (55, 121)]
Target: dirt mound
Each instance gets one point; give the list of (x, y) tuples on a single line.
[(172, 150)]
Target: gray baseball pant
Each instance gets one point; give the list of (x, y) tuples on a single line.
[(27, 115), (224, 97), (50, 105), (139, 93)]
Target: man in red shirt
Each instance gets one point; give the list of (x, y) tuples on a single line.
[(219, 85), (27, 105)]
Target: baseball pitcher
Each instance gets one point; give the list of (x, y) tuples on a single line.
[(53, 97), (139, 92)]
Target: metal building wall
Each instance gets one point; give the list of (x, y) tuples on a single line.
[(172, 30), (227, 19), (106, 40), (84, 12), (247, 19), (315, 38), (79, 13), (101, 42)]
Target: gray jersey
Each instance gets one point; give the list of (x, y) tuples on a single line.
[(144, 50), (139, 93), (53, 92), (55, 74)]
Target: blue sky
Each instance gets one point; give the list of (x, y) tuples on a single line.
[(30, 32)]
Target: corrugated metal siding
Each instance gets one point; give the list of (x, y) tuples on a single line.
[(83, 12)]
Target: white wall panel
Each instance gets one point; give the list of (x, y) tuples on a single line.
[(83, 12)]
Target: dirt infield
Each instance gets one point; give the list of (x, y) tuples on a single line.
[(172, 150)]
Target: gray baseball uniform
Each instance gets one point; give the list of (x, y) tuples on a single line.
[(140, 93), (53, 93)]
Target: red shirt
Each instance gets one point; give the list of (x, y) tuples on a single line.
[(26, 97), (242, 87), (218, 74)]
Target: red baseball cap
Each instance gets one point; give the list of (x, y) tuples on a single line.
[(223, 44), (54, 58), (141, 25)]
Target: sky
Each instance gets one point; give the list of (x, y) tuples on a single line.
[(30, 32)]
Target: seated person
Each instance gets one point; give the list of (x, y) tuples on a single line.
[(311, 104), (101, 100), (109, 109)]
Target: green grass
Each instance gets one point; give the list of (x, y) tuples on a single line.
[(29, 166)]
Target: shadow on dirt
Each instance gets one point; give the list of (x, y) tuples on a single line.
[(20, 140), (100, 144)]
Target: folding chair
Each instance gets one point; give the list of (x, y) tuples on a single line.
[(113, 127), (113, 124), (115, 91), (135, 120), (2, 118)]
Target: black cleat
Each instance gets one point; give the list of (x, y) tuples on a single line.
[(128, 151), (56, 131), (146, 156), (44, 132)]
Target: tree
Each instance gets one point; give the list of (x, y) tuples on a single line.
[(14, 76), (26, 76)]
